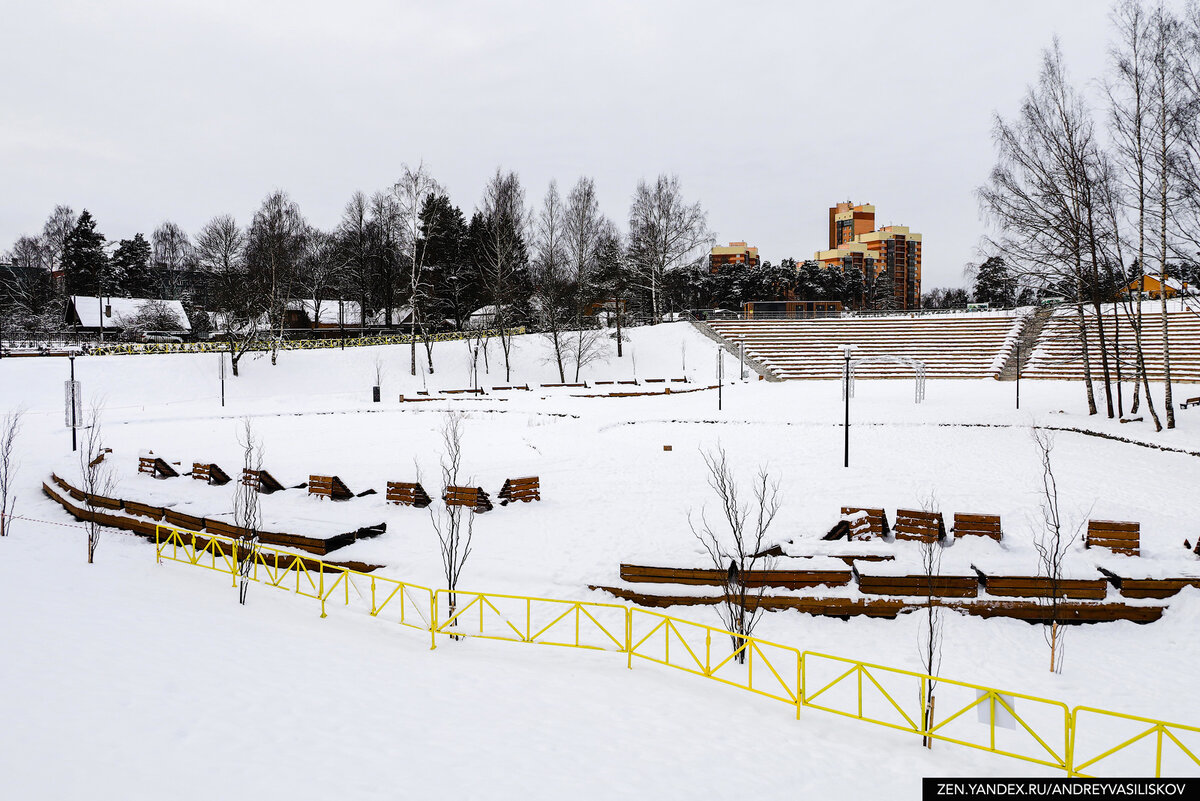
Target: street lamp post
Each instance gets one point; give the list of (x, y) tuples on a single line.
[(71, 393), (846, 351)]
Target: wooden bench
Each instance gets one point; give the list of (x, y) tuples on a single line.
[(866, 524), (260, 481), (101, 502), (788, 579), (223, 529), (915, 524), (1190, 402), (154, 466), (330, 487), (474, 497), (918, 585), (143, 510), (1041, 587), (210, 473), (1117, 536), (408, 494), (181, 520), (520, 489), (973, 525), (1151, 588)]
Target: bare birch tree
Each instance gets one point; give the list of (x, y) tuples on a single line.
[(665, 234), (1052, 543), (95, 474), (1174, 107), (735, 544), (10, 429), (411, 193), (454, 525), (58, 227), (355, 235), (1129, 128), (585, 228), (318, 271), (1040, 195), (172, 255), (247, 514), (929, 631), (239, 296), (503, 255), (553, 289), (274, 247)]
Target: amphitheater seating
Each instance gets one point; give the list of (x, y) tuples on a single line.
[(951, 346), (1059, 354)]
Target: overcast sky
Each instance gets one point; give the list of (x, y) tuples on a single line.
[(768, 112)]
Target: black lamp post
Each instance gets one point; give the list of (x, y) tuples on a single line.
[(71, 392), (846, 351)]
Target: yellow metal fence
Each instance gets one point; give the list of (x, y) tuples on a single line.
[(1082, 741)]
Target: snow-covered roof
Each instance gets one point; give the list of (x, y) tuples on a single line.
[(117, 310), (329, 311), (399, 316)]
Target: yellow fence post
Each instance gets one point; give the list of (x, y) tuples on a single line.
[(233, 568), (629, 637), (799, 684), (1070, 746), (433, 620)]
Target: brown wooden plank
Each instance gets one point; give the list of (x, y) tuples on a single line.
[(1154, 588), (1113, 525), (181, 520), (971, 517)]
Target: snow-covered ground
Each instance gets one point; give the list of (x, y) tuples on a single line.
[(161, 669)]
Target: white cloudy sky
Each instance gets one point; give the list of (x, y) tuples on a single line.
[(769, 112)]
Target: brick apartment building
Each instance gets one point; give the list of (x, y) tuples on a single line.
[(855, 242)]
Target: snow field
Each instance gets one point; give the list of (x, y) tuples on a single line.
[(610, 494)]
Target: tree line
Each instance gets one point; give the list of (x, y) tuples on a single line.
[(407, 255)]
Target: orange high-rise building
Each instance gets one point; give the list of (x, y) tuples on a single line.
[(737, 254), (892, 249)]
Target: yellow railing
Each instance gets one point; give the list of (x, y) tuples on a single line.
[(1144, 734), (219, 346), (688, 646), (575, 624), (1016, 725), (1039, 732), (410, 605)]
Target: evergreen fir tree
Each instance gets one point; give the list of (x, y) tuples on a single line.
[(854, 288), (131, 267), (84, 259), (884, 294), (994, 284)]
